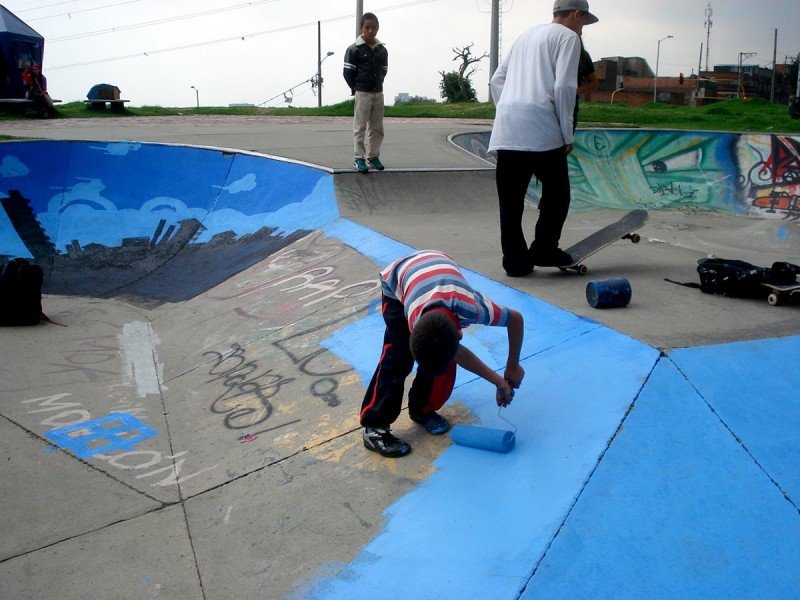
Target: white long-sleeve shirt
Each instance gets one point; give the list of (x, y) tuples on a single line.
[(534, 90)]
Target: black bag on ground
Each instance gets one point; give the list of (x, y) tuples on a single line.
[(783, 273), (20, 293), (735, 278), (740, 279)]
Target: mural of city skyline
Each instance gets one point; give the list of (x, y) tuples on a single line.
[(100, 216)]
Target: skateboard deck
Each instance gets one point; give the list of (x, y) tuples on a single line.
[(782, 294), (622, 229)]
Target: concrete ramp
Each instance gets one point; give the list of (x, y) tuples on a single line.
[(193, 432)]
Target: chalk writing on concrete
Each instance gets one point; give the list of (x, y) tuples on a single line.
[(66, 412), (117, 431)]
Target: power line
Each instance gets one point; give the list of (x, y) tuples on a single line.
[(75, 12), (48, 5), (242, 37), (159, 21)]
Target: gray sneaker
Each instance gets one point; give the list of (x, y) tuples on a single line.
[(361, 165), (381, 440)]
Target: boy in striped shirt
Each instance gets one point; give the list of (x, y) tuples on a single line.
[(426, 303)]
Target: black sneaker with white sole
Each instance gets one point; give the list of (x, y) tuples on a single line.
[(381, 440)]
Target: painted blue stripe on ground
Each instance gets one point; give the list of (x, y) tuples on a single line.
[(479, 524), (676, 509), (755, 389)]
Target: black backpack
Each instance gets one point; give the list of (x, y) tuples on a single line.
[(735, 278), (21, 293), (740, 279)]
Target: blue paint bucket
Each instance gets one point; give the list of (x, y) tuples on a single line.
[(608, 293), (483, 438)]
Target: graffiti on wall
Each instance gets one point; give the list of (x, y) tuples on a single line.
[(770, 174), (741, 174)]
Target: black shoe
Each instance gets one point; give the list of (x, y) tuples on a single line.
[(552, 258), (519, 273), (434, 424), (517, 270), (381, 440)]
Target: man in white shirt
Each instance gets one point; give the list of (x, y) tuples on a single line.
[(534, 92)]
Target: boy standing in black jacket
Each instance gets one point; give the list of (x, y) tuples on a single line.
[(365, 66)]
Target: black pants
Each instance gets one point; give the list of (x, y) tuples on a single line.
[(514, 171), (384, 398)]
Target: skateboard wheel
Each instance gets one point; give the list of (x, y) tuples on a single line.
[(582, 269), (636, 238), (774, 299)]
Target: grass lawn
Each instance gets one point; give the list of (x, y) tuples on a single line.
[(751, 115)]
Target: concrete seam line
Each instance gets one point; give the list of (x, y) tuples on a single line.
[(591, 474), (737, 438), (35, 435)]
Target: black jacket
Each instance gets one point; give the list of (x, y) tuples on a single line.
[(365, 68)]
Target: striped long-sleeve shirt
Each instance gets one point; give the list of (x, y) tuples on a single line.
[(428, 279)]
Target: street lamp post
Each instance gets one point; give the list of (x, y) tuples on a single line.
[(658, 56), (197, 95), (320, 60), (743, 56)]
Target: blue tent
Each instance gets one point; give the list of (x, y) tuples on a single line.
[(20, 46)]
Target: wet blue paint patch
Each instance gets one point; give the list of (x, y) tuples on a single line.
[(491, 516), (117, 431), (753, 387), (676, 509)]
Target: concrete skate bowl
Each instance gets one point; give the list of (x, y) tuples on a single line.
[(193, 431)]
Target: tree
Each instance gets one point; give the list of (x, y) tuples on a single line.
[(456, 85)]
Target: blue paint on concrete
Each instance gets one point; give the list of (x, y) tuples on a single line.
[(754, 387), (102, 193), (480, 522), (687, 502), (117, 431), (379, 248), (309, 212), (676, 509)]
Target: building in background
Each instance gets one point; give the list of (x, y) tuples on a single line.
[(20, 47), (633, 81)]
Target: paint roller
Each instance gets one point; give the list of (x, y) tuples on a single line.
[(486, 438)]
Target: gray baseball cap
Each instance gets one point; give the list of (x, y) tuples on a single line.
[(581, 5)]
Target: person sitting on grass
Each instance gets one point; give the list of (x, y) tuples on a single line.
[(426, 303)]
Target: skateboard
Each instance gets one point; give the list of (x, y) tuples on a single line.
[(782, 294), (622, 229)]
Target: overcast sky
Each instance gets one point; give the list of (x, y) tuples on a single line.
[(279, 49)]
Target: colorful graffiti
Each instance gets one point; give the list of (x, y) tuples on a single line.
[(742, 174), (771, 182)]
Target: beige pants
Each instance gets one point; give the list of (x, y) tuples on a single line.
[(368, 121)]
